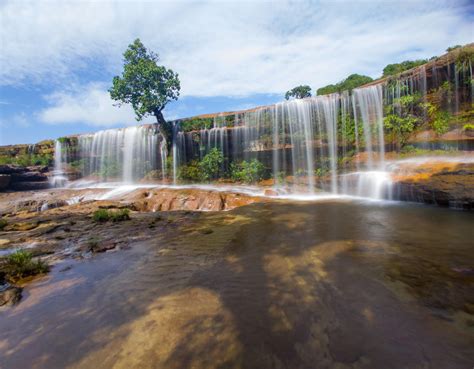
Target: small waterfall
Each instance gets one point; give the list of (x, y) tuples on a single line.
[(60, 157), (126, 154)]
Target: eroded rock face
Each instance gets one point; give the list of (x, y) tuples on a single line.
[(18, 178), (453, 187), (189, 199)]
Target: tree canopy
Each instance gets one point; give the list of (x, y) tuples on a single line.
[(396, 68), (299, 92), (351, 82), (145, 84)]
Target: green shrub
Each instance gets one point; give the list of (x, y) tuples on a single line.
[(119, 215), (20, 264), (190, 172), (468, 128), (101, 215), (441, 121), (396, 68), (247, 171), (348, 84), (3, 224), (196, 124), (211, 164)]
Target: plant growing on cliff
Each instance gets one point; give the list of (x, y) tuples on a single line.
[(299, 92), (396, 68), (3, 223), (247, 171), (211, 164), (149, 87), (348, 84)]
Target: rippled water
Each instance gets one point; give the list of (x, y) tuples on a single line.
[(332, 284)]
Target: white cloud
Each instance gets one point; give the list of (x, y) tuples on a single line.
[(20, 119), (224, 48), (90, 104)]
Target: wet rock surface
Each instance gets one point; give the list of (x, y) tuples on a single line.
[(269, 284), (444, 185), (9, 295)]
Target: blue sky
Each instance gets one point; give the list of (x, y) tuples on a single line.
[(57, 59)]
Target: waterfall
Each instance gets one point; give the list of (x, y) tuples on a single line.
[(60, 157), (125, 155), (335, 143)]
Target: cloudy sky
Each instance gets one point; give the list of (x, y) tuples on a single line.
[(57, 59)]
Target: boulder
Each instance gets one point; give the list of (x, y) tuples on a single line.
[(9, 294)]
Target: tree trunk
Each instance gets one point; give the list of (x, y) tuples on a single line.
[(163, 128)]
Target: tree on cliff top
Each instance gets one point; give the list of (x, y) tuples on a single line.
[(145, 84), (348, 84), (299, 92)]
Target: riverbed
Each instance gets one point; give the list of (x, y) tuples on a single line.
[(280, 284)]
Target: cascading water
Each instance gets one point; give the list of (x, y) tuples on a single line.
[(122, 154), (333, 142), (60, 157)]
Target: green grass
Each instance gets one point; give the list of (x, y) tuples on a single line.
[(20, 264), (103, 215), (119, 215)]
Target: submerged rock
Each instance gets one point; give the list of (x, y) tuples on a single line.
[(9, 295)]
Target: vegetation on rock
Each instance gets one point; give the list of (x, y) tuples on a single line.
[(348, 84), (247, 171), (396, 68), (211, 164), (103, 215), (20, 265)]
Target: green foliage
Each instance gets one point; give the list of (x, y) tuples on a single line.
[(3, 223), (27, 160), (20, 264), (402, 117), (196, 124), (119, 215), (441, 121), (190, 172), (299, 92), (149, 87), (451, 48), (396, 68), (211, 164), (400, 126), (468, 128), (247, 171), (465, 57), (321, 172), (103, 215), (348, 84)]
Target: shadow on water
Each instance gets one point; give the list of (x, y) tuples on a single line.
[(275, 285)]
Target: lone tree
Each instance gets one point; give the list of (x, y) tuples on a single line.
[(146, 85), (299, 92)]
